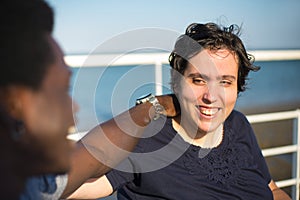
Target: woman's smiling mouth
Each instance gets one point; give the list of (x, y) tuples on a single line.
[(208, 111)]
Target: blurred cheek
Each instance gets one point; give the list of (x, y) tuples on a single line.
[(48, 119), (187, 92), (230, 100), (43, 123), (47, 130)]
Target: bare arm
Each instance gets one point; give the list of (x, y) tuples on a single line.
[(278, 194), (110, 142), (93, 188)]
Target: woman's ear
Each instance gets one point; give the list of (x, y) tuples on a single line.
[(14, 101), (175, 88)]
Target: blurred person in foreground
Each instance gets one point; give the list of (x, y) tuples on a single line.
[(36, 112), (209, 151)]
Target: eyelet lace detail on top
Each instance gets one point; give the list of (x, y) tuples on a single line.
[(221, 165)]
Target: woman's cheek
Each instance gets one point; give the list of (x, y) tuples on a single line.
[(189, 92)]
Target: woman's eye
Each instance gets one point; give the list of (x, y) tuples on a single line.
[(199, 81), (226, 83)]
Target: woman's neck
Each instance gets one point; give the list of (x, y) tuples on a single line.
[(199, 138)]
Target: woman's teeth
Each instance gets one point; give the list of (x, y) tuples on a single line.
[(208, 111), (71, 130)]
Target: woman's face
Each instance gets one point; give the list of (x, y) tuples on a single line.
[(47, 114), (208, 90)]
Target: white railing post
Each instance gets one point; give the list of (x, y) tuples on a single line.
[(297, 195), (158, 78), (295, 160)]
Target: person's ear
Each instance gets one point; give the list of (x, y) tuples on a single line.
[(16, 105), (16, 99), (176, 88)]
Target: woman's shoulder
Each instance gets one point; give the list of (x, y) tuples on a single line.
[(236, 116), (156, 135), (237, 121)]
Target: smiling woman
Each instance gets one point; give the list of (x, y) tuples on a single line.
[(35, 104), (209, 150)]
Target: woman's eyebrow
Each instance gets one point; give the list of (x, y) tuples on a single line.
[(230, 77), (206, 77), (198, 75)]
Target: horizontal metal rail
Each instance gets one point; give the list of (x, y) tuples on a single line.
[(279, 150), (267, 117), (104, 60)]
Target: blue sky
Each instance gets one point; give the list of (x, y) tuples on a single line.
[(82, 25)]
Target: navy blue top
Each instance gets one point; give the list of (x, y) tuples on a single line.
[(164, 166)]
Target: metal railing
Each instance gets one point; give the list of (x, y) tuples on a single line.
[(293, 148), (158, 59)]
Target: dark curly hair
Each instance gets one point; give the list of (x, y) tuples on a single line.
[(25, 56), (25, 51), (213, 37)]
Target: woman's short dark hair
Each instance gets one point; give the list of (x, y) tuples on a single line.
[(25, 55), (213, 37), (25, 49)]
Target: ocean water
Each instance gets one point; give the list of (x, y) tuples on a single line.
[(103, 92)]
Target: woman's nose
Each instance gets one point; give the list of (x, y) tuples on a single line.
[(75, 107), (210, 94)]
